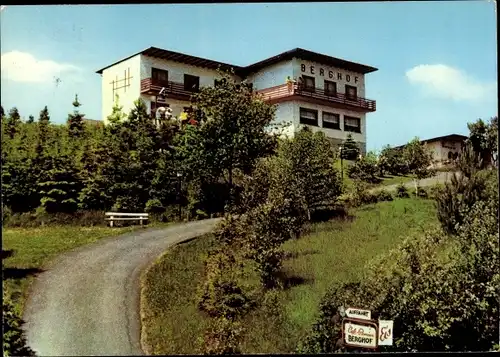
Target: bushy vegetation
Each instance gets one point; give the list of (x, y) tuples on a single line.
[(14, 342), (365, 168), (293, 183), (133, 164), (440, 288), (412, 159)]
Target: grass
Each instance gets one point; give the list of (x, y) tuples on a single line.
[(332, 252), (387, 180), (33, 248)]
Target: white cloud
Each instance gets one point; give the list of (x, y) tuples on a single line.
[(24, 67), (451, 83)]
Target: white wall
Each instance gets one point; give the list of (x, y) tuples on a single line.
[(331, 133), (285, 116), (440, 149), (177, 70), (319, 79), (127, 95), (271, 76)]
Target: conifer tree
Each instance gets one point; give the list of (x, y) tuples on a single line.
[(31, 119), (43, 130), (76, 126), (13, 121), (350, 150)]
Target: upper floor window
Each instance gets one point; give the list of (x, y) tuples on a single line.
[(330, 88), (191, 83), (159, 75), (308, 83), (331, 120), (308, 116), (352, 124), (351, 92)]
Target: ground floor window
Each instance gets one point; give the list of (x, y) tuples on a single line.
[(331, 121), (352, 124), (308, 116)]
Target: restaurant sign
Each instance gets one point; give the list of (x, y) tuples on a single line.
[(355, 313), (360, 333)]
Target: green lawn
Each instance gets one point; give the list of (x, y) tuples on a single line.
[(332, 252), (35, 247)]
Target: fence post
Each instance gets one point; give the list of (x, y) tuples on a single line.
[(111, 221)]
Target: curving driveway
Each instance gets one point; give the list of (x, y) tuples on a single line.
[(87, 301)]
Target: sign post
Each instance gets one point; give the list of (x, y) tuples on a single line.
[(360, 333), (355, 313)]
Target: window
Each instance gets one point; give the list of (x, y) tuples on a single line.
[(308, 116), (309, 83), (330, 88), (191, 83), (331, 120), (352, 124), (351, 92), (159, 76)]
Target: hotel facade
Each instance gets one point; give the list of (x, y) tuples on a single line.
[(325, 93)]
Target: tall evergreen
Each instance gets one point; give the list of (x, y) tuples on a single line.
[(43, 130), (12, 123), (350, 150), (76, 126)]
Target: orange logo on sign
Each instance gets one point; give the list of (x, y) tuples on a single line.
[(384, 333)]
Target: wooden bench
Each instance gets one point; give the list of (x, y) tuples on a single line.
[(116, 216)]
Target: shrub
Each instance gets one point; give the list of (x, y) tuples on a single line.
[(384, 195), (457, 197), (364, 169), (220, 295), (222, 337), (42, 218), (361, 195), (154, 206), (6, 214), (421, 192), (402, 191), (14, 341)]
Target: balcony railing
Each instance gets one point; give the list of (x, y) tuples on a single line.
[(173, 89), (281, 92)]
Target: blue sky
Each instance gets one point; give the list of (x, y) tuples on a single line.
[(437, 60)]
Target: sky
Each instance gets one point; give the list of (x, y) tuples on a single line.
[(437, 61)]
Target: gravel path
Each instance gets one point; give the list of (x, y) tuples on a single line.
[(439, 178), (87, 302)]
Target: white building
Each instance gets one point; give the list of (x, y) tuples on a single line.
[(445, 149), (328, 93)]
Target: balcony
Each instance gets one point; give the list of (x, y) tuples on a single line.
[(282, 93), (174, 90)]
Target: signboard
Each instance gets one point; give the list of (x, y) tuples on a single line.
[(355, 313), (385, 329), (359, 333)]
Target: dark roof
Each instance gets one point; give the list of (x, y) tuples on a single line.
[(178, 57), (297, 52), (311, 56), (451, 137)]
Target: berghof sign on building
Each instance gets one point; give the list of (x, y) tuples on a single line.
[(323, 92)]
